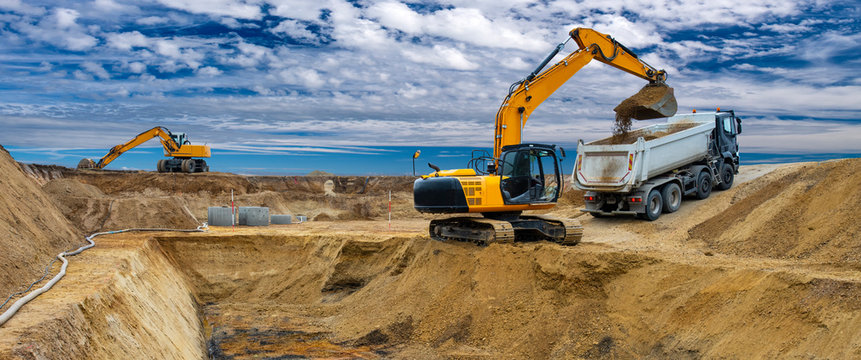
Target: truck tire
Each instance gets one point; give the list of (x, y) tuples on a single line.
[(188, 166), (672, 195), (727, 175), (704, 185), (654, 204), (161, 166)]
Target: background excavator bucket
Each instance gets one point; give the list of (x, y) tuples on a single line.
[(651, 102), (86, 164)]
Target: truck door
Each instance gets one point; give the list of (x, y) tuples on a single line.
[(727, 131)]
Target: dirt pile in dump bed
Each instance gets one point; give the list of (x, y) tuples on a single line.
[(32, 229), (807, 211), (631, 136)]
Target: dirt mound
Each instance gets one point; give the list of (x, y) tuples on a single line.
[(69, 187), (32, 229), (804, 212)]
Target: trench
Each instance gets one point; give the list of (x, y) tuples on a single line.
[(349, 296)]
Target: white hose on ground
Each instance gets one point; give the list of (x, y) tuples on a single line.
[(9, 313)]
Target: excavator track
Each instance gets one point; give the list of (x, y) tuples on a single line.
[(480, 231), (484, 231), (573, 229)]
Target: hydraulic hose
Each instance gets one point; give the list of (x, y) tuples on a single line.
[(9, 313)]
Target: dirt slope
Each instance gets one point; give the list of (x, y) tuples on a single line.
[(32, 229), (808, 211)]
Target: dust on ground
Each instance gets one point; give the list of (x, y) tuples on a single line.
[(715, 279)]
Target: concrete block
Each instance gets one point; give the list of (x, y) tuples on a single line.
[(253, 216), (219, 216), (280, 219)]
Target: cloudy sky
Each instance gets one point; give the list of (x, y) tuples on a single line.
[(323, 79)]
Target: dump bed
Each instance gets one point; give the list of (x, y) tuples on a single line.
[(621, 164)]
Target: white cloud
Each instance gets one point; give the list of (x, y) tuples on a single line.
[(412, 92), (21, 8), (127, 40), (152, 20), (241, 9), (60, 29), (302, 10), (80, 75), (137, 67), (249, 55), (441, 56), (303, 76), (296, 30), (209, 71), (463, 24), (96, 69)]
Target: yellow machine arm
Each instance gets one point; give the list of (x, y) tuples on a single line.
[(524, 96), (170, 146)]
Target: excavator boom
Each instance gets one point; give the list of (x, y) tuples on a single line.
[(526, 95)]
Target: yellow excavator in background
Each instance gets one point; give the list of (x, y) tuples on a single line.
[(521, 177), (183, 156)]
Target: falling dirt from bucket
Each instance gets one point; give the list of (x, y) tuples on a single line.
[(651, 102)]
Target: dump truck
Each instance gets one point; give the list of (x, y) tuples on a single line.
[(648, 171)]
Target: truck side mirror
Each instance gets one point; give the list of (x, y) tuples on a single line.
[(738, 121)]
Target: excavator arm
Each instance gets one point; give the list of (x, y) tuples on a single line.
[(526, 95), (164, 135)]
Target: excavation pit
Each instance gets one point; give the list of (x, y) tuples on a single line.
[(359, 295)]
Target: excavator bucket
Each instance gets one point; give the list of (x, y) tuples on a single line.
[(651, 102), (86, 164)]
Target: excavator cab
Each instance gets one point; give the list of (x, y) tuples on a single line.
[(179, 138), (530, 174)]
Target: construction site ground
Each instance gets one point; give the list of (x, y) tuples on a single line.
[(768, 269)]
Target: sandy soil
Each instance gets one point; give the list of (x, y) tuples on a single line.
[(767, 269)]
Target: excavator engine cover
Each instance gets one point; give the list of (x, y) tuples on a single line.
[(651, 102)]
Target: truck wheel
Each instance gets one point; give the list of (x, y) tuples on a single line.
[(161, 166), (704, 185), (654, 203), (727, 175), (672, 195)]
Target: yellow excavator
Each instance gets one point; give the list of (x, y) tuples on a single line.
[(184, 156), (520, 177)]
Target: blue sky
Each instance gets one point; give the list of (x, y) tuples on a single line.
[(277, 86)]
